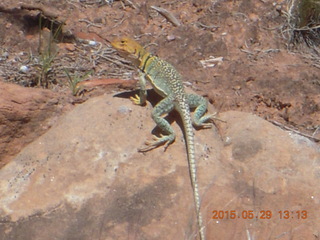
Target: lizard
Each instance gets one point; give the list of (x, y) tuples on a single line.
[(167, 82)]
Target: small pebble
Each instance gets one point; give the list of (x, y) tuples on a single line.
[(5, 55), (24, 69), (171, 37), (92, 43)]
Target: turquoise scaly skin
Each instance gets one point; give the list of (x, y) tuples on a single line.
[(166, 81)]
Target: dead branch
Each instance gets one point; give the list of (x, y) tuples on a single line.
[(169, 16), (295, 131)]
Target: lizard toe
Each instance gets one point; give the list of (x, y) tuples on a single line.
[(165, 140), (136, 99)]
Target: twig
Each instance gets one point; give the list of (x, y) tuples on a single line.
[(259, 51), (169, 16), (316, 65), (246, 51), (315, 132), (90, 23), (117, 62), (120, 22), (271, 50), (206, 26), (295, 131), (211, 62), (131, 3)]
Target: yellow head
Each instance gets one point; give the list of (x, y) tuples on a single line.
[(128, 47)]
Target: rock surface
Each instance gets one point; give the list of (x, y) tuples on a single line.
[(271, 172), (25, 114), (84, 179)]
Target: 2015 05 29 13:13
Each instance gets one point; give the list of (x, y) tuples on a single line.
[(262, 214)]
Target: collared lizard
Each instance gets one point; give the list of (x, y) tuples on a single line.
[(166, 81)]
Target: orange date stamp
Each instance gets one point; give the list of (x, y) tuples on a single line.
[(263, 214)]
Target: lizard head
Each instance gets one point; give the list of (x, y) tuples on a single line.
[(129, 47)]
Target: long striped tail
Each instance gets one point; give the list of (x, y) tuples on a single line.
[(189, 136)]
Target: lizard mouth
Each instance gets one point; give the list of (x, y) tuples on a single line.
[(129, 55)]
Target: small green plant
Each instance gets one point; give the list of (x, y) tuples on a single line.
[(74, 80), (46, 60), (48, 51)]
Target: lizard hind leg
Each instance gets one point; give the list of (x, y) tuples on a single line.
[(200, 104), (163, 107)]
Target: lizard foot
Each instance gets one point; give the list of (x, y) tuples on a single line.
[(214, 117), (136, 99), (158, 141), (207, 121)]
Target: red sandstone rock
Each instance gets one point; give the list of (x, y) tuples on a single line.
[(25, 114)]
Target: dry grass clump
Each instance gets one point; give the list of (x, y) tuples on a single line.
[(303, 23)]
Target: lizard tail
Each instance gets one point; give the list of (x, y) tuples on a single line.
[(189, 136)]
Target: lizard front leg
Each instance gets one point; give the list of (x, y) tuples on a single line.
[(142, 98), (163, 107)]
